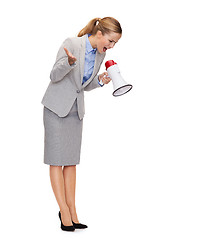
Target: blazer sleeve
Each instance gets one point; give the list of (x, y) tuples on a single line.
[(93, 84), (61, 66)]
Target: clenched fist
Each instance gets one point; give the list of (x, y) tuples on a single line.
[(104, 78)]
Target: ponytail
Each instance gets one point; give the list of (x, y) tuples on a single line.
[(89, 27), (105, 25)]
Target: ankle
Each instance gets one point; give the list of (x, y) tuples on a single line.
[(73, 215), (65, 211)]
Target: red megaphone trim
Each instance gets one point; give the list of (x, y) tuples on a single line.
[(109, 63)]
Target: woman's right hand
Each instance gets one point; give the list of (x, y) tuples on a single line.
[(71, 59)]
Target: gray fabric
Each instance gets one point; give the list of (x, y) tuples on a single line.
[(62, 140), (66, 81)]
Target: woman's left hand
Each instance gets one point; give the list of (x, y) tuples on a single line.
[(105, 78)]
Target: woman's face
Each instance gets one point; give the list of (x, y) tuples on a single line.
[(106, 41)]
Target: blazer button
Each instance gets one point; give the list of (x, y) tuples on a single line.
[(78, 91)]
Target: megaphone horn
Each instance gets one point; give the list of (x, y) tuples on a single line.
[(120, 86)]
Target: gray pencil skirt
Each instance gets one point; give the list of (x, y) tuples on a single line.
[(62, 138)]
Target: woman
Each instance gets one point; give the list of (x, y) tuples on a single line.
[(75, 71)]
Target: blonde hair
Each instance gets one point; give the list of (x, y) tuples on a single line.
[(105, 25)]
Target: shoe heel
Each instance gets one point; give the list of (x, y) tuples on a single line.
[(66, 228)]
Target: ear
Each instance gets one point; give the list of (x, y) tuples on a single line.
[(99, 33)]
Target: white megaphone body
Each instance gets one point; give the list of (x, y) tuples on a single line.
[(119, 84)]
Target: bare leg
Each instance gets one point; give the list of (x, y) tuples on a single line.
[(57, 183), (69, 173)]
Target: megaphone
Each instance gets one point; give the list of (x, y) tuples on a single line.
[(119, 84)]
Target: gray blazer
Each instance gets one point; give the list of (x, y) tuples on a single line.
[(66, 81)]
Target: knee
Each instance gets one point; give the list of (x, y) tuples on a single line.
[(70, 167)]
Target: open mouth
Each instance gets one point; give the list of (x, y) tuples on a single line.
[(104, 49)]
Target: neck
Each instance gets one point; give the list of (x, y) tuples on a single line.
[(92, 40)]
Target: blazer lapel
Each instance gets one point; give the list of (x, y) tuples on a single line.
[(98, 60), (82, 57)]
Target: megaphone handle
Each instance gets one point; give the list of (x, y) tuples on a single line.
[(101, 81)]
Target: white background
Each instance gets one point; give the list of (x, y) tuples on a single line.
[(137, 178)]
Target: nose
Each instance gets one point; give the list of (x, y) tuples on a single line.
[(112, 44)]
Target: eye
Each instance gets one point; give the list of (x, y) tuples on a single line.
[(110, 41)]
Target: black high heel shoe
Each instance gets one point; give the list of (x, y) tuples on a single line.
[(66, 228), (76, 225), (79, 225)]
